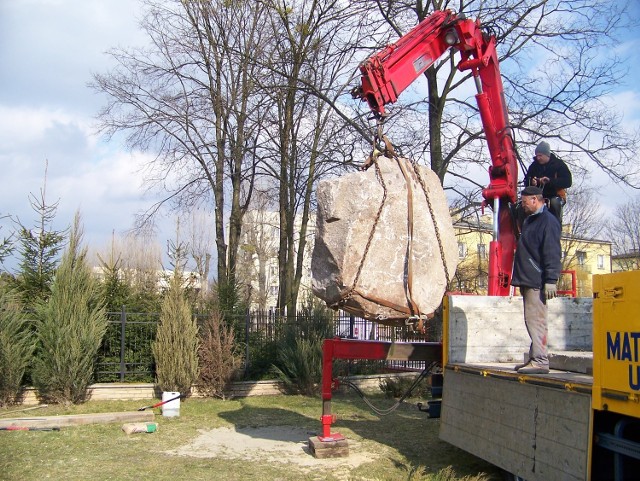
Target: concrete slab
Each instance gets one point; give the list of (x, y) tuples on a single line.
[(572, 361), (491, 329)]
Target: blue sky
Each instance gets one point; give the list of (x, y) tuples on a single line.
[(49, 50)]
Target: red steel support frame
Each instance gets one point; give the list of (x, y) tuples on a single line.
[(338, 348), (574, 284)]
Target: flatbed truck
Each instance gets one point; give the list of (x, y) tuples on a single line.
[(579, 422)]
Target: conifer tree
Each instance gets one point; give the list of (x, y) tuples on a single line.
[(70, 328), (176, 346), (38, 248), (6, 244)]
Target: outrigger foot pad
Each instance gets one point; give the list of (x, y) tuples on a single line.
[(335, 446)]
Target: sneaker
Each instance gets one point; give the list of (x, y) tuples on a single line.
[(520, 366), (533, 369)]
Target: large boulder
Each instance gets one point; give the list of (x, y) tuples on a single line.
[(400, 274)]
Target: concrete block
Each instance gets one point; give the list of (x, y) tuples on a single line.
[(573, 361), (484, 329)]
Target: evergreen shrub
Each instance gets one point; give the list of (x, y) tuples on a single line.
[(299, 362), (17, 343), (175, 349)]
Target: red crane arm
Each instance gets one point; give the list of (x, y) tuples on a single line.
[(386, 74)]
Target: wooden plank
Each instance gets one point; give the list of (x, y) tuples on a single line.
[(328, 449), (79, 419), (539, 433)]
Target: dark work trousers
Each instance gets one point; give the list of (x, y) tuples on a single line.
[(535, 318)]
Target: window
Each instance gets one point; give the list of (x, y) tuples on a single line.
[(582, 257), (482, 282), (482, 251), (600, 262), (273, 290), (462, 250)]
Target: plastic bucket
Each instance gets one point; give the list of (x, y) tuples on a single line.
[(172, 408)]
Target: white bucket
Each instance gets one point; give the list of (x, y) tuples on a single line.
[(172, 408)]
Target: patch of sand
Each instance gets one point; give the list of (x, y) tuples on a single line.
[(281, 444)]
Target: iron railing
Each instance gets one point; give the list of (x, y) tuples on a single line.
[(126, 353)]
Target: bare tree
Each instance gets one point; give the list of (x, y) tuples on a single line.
[(260, 246), (308, 138), (141, 260), (201, 247), (190, 98), (624, 232), (130, 268), (558, 62), (582, 222), (470, 222), (233, 90), (582, 225)]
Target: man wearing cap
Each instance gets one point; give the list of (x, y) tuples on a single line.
[(549, 172), (536, 269)]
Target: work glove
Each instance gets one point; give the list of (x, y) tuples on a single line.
[(550, 290)]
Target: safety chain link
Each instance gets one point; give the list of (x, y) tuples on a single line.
[(373, 230), (416, 169)]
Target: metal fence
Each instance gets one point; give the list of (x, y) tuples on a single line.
[(126, 352)]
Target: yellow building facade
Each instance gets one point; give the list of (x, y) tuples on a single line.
[(629, 261), (581, 256)]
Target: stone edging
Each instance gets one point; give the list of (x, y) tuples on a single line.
[(132, 391)]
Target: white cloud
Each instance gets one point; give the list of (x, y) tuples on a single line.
[(627, 102), (22, 126), (49, 50)]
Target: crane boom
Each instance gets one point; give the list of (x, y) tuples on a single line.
[(386, 74)]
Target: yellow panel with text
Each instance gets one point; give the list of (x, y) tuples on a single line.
[(616, 342)]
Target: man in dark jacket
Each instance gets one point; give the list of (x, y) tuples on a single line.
[(536, 269), (549, 172)]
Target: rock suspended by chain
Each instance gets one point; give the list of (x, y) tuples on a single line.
[(385, 248)]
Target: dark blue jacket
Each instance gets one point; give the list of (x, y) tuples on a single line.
[(558, 173), (537, 258)]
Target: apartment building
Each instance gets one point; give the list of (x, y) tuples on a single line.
[(629, 261), (258, 266)]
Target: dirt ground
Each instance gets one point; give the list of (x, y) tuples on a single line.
[(278, 444)]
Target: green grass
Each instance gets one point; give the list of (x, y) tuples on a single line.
[(405, 444)]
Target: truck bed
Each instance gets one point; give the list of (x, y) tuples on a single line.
[(534, 426), (568, 370)]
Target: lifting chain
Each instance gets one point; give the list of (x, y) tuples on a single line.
[(373, 159), (416, 169)]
